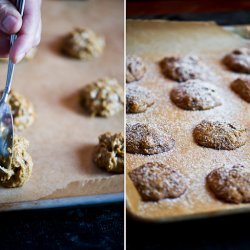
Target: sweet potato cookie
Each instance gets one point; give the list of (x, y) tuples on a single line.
[(220, 135), (241, 86), (22, 110), (145, 139), (238, 60), (103, 97), (138, 99), (135, 68), (195, 95), (109, 153), (83, 44), (155, 181), (185, 68), (21, 165), (230, 184)]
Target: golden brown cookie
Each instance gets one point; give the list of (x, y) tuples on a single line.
[(195, 95), (185, 68), (21, 165), (238, 60), (135, 68), (138, 99), (155, 181), (220, 135), (22, 110), (103, 97), (83, 44), (109, 153), (241, 86), (146, 139), (230, 184)]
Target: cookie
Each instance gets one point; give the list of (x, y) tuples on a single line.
[(109, 153), (21, 165), (138, 99), (135, 68), (83, 44), (220, 135), (184, 68), (103, 97), (238, 60), (195, 95), (155, 181), (146, 139), (230, 184), (242, 87)]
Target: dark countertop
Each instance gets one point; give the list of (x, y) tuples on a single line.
[(99, 227)]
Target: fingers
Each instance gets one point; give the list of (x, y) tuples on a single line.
[(10, 19), (30, 33), (4, 45)]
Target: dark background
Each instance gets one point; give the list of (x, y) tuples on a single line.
[(219, 233)]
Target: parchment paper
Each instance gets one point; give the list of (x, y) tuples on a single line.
[(154, 40), (62, 137)]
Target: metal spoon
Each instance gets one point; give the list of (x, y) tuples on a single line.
[(6, 119)]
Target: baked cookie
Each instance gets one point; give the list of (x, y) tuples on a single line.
[(83, 44), (155, 181), (184, 68), (230, 184), (220, 135), (242, 87), (195, 95), (238, 60), (138, 99), (103, 97), (145, 139), (21, 165), (135, 68), (22, 110), (109, 153)]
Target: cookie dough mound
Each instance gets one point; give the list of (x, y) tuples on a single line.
[(21, 165), (220, 135), (138, 99), (155, 181), (145, 139), (83, 44), (195, 95), (184, 68), (102, 98), (135, 68), (29, 56), (109, 154), (22, 110), (238, 60), (230, 184), (242, 88)]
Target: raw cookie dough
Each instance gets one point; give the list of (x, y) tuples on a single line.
[(238, 60), (220, 135), (29, 56), (135, 68), (103, 97), (21, 165), (138, 99), (241, 86), (109, 154), (22, 110), (195, 95), (230, 184), (145, 139), (83, 44), (155, 181), (185, 68)]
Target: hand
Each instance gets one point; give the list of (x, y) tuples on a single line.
[(28, 28)]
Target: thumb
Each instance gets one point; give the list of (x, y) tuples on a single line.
[(10, 19)]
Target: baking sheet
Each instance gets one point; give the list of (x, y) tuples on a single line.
[(153, 40), (62, 137)]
